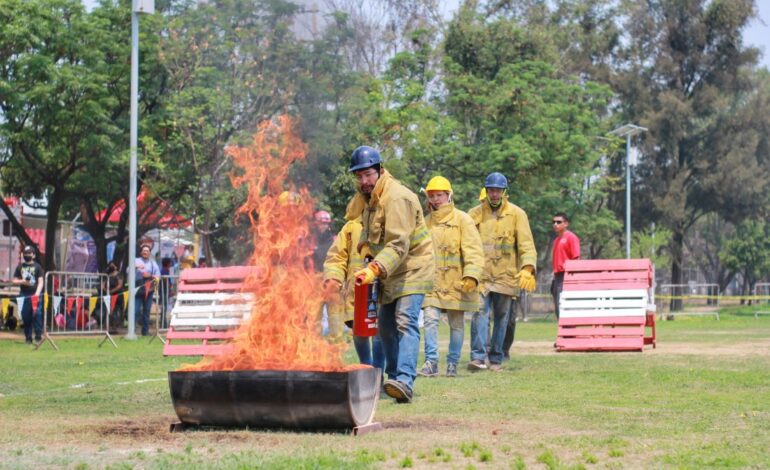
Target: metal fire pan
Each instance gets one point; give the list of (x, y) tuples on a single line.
[(276, 399)]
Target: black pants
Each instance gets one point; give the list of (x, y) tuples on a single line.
[(556, 287)]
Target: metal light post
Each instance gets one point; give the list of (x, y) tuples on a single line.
[(137, 6), (628, 131)]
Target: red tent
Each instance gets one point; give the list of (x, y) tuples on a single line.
[(153, 212)]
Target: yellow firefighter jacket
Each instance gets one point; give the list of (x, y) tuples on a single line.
[(459, 254), (342, 261), (395, 230), (508, 245)]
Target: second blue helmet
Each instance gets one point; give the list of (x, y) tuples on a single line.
[(496, 180)]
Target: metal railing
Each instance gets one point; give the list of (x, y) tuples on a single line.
[(76, 304)]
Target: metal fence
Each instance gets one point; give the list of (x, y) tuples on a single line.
[(76, 304)]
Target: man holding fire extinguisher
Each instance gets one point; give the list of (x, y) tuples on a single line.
[(395, 235)]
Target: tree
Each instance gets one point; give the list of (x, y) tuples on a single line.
[(230, 65), (518, 113), (749, 252), (684, 76), (59, 102)]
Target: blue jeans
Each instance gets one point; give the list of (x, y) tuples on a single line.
[(370, 352), (456, 332), (499, 305), (142, 308), (397, 322), (29, 318)]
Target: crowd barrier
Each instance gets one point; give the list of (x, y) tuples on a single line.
[(76, 304), (163, 302)]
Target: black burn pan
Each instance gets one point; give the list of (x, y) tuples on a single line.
[(276, 399)]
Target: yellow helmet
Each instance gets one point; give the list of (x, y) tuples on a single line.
[(439, 183), (289, 197), (483, 194)]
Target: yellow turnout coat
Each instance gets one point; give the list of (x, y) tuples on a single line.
[(395, 230), (508, 245), (342, 261), (459, 254)]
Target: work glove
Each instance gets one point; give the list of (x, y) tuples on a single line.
[(365, 251), (368, 274), (331, 290), (527, 279), (467, 285)]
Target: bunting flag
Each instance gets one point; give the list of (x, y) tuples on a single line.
[(45, 302), (113, 301), (79, 304), (20, 303), (35, 299), (136, 290), (70, 301), (92, 304), (106, 301), (147, 287), (4, 304), (56, 303), (125, 299)]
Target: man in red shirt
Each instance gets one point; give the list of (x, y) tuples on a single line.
[(566, 246)]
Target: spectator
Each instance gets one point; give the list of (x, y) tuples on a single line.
[(187, 260), (202, 262), (395, 235), (147, 275), (459, 264), (323, 238), (565, 246), (508, 244), (29, 277)]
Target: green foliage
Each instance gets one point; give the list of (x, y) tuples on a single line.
[(517, 113), (652, 243), (749, 251)]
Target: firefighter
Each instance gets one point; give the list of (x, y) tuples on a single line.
[(395, 235), (459, 264), (510, 259), (342, 261)]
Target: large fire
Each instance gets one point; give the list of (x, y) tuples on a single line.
[(284, 330)]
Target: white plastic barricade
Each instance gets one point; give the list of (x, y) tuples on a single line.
[(76, 304)]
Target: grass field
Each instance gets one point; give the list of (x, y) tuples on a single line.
[(701, 399)]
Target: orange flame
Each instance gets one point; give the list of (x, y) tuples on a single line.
[(284, 330)]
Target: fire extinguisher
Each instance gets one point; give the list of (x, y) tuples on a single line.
[(365, 309)]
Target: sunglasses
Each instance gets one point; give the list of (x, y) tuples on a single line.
[(558, 222)]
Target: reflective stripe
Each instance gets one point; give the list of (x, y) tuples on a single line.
[(419, 235)]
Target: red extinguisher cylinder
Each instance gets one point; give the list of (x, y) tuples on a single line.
[(365, 309)]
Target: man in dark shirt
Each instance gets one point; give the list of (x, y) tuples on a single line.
[(29, 277)]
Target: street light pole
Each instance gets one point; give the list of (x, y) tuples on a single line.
[(137, 6), (628, 131)]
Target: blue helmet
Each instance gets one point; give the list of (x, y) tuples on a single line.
[(364, 157), (496, 180)]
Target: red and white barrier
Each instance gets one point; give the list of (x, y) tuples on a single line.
[(606, 305)]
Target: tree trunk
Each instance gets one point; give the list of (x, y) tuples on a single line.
[(677, 255), (55, 201)]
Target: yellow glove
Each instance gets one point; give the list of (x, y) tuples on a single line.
[(365, 251), (368, 274), (527, 280), (467, 285)]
